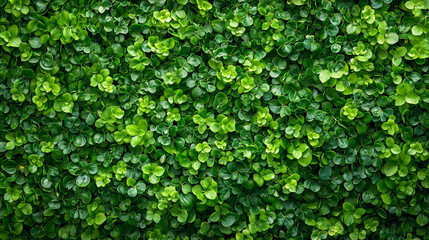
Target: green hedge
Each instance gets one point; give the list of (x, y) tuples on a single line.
[(213, 119)]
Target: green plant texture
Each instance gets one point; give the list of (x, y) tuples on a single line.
[(214, 119)]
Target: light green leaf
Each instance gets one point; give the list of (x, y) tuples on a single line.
[(100, 218), (324, 76), (211, 194), (392, 38), (389, 169)]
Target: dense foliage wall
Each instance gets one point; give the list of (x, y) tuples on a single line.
[(213, 119)]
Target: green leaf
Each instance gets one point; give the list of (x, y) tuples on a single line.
[(27, 209), (100, 218), (215, 64), (247, 21), (392, 38), (79, 141), (325, 173), (220, 100), (154, 179), (133, 130), (348, 219), (132, 192), (258, 179), (324, 76), (10, 167), (131, 182), (211, 194), (164, 140), (306, 158), (135, 141), (35, 42), (158, 171), (417, 30), (268, 175), (14, 42), (37, 232), (187, 200), (215, 217), (183, 216), (389, 169), (412, 98), (297, 154), (82, 180), (32, 26), (422, 219), (194, 60), (386, 198), (47, 62), (348, 207), (229, 220), (205, 227)]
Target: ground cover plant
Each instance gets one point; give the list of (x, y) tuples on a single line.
[(213, 119)]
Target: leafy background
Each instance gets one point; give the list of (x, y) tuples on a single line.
[(186, 119)]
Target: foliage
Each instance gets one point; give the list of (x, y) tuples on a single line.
[(212, 119)]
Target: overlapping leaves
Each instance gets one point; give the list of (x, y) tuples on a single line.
[(186, 119)]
